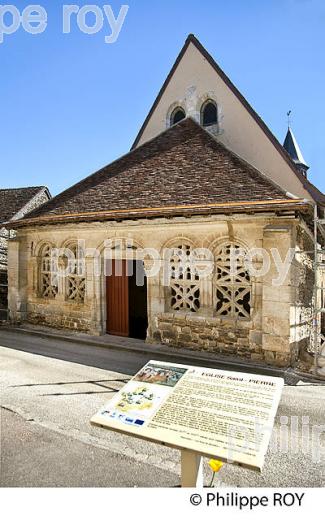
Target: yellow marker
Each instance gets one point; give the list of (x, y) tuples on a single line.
[(215, 465)]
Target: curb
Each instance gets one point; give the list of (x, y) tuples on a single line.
[(310, 377)]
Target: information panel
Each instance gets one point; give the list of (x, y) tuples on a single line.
[(216, 413)]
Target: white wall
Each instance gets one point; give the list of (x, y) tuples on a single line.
[(195, 80)]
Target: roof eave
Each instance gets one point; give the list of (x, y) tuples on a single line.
[(282, 205)]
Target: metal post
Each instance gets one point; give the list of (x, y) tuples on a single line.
[(315, 317), (191, 469)]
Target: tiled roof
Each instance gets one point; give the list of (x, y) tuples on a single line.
[(12, 200), (183, 166)]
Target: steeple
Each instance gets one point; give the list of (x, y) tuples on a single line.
[(291, 146)]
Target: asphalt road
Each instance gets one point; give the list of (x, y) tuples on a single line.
[(46, 438), (61, 461), (89, 355), (115, 358)]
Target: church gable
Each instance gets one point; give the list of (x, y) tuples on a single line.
[(196, 81)]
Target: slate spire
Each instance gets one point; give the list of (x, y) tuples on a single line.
[(291, 146)]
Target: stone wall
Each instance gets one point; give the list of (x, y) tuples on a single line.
[(3, 295), (5, 235), (40, 198), (302, 280), (277, 298), (65, 316), (210, 335), (264, 337)]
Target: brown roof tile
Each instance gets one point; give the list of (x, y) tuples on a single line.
[(183, 166), (13, 200)]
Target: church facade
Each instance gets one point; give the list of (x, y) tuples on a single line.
[(205, 187)]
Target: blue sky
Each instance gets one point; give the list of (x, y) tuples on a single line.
[(71, 103)]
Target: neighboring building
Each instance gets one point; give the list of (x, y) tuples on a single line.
[(14, 204), (204, 172)]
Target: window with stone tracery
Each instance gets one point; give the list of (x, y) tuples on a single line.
[(48, 281), (76, 281), (232, 283), (184, 281)]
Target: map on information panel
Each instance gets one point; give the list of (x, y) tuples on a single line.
[(220, 414)]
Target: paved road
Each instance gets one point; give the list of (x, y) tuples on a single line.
[(99, 357), (39, 457), (46, 406), (116, 358)]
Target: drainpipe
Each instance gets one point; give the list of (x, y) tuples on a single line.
[(315, 317)]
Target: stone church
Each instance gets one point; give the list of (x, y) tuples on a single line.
[(204, 173)]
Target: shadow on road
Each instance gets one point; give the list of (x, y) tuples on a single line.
[(100, 383)]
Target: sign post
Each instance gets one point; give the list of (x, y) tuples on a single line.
[(191, 469), (202, 412)]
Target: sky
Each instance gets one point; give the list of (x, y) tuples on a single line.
[(71, 103)]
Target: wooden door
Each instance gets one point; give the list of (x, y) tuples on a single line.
[(117, 299)]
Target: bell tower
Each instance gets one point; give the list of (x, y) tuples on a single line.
[(291, 146)]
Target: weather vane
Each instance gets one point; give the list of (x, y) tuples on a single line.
[(289, 119)]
